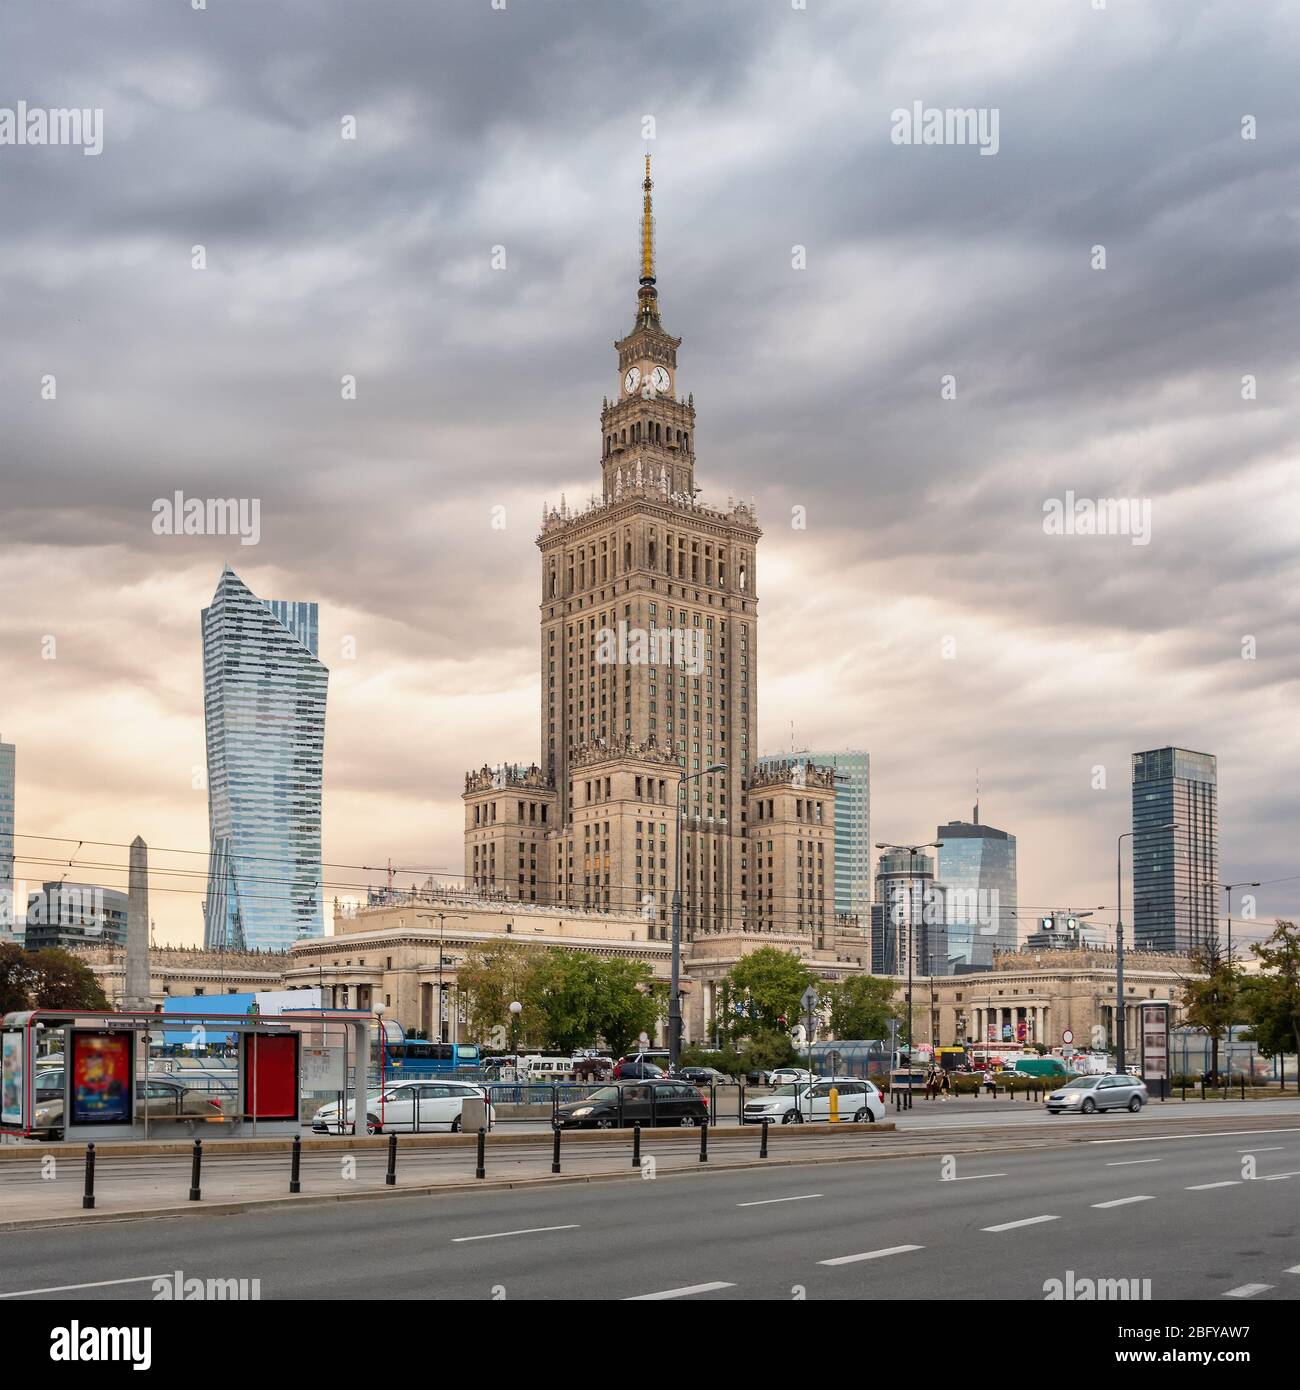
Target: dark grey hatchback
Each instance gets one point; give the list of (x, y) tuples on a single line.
[(623, 1104)]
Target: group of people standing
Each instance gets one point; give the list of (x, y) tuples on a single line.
[(938, 1083)]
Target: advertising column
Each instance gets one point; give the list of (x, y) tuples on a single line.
[(1154, 1017)]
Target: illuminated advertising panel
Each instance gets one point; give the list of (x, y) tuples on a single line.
[(102, 1077), (11, 1078)]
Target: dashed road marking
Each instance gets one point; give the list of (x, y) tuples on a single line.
[(1013, 1225), (772, 1201), (1206, 1186), (1120, 1202), (871, 1255), (685, 1292), (500, 1235), (1247, 1290)]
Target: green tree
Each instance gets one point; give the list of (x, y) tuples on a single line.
[(1271, 999), (771, 983), (861, 1007), (1210, 998), (60, 981), (15, 979), (561, 999), (492, 978), (628, 1003)]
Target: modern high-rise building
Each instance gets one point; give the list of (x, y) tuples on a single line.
[(1175, 871), (910, 913), (8, 912), (264, 710), (977, 865), (75, 914), (852, 769), (649, 665)]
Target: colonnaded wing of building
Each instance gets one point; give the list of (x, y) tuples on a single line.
[(649, 658)]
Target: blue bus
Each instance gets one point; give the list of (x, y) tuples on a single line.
[(414, 1057)]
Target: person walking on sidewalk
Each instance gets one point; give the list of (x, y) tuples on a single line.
[(945, 1086)]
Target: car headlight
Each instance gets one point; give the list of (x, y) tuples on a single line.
[(581, 1111), (44, 1115)]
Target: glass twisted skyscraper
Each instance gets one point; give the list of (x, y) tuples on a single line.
[(264, 711), (978, 867)]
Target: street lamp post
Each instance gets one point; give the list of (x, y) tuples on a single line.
[(674, 988), (516, 1008), (913, 850), (1228, 889), (1119, 942)]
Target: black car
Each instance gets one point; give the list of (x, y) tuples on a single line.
[(619, 1106), (636, 1071)]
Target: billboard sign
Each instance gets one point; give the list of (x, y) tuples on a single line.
[(1155, 1040), (11, 1078), (102, 1076), (267, 1004)]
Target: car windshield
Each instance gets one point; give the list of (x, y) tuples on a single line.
[(604, 1093), (1083, 1083)]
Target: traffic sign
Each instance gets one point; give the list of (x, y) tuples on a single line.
[(1067, 1036), (809, 1001)]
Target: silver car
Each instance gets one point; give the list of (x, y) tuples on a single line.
[(1088, 1094)]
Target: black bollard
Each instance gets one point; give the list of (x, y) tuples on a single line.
[(555, 1152), (390, 1177), (88, 1200), (636, 1145), (196, 1172), (762, 1148), (295, 1166), (480, 1169), (1202, 1086), (704, 1142), (1243, 1085)]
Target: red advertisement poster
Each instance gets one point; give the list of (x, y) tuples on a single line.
[(101, 1078), (271, 1076)]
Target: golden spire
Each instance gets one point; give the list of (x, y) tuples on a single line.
[(647, 230)]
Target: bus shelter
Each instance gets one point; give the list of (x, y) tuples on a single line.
[(112, 1086)]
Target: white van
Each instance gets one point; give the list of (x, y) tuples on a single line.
[(546, 1069)]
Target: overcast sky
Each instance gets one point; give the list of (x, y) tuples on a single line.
[(924, 614)]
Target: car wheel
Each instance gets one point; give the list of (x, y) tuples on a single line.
[(689, 1122), (455, 1124), (1089, 1106), (373, 1126), (1135, 1104), (792, 1117), (605, 1122)]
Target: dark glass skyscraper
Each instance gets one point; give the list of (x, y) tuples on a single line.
[(264, 709), (1175, 872), (977, 865)]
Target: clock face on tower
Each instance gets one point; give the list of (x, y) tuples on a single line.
[(631, 379), (660, 379)]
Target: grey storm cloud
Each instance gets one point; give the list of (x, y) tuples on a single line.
[(817, 388)]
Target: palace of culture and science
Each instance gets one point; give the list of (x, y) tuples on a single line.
[(649, 663)]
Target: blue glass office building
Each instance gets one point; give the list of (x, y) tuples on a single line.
[(8, 913), (264, 710), (1175, 872), (977, 865), (852, 824)]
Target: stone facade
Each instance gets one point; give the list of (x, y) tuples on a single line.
[(181, 970), (649, 657)]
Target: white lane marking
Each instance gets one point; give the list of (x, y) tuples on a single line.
[(1277, 1177), (1129, 1162), (677, 1293), (527, 1231), (1120, 1202), (1012, 1225), (871, 1255), (1274, 1149), (972, 1177), (1207, 1134), (1247, 1290), (98, 1284), (1206, 1186), (772, 1201), (1295, 1269)]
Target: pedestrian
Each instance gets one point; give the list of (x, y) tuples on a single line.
[(990, 1084), (945, 1085), (931, 1084)]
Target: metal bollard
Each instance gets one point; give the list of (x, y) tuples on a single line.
[(1243, 1085), (196, 1171), (295, 1166), (555, 1152), (762, 1148), (390, 1177), (88, 1199), (1202, 1087), (480, 1169), (636, 1144), (704, 1142)]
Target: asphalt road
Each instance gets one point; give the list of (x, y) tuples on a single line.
[(1122, 1205)]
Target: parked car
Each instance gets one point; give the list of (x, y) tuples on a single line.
[(859, 1101), (426, 1105), (789, 1076), (758, 1078), (630, 1069), (163, 1097), (706, 1076), (1087, 1094), (620, 1105)]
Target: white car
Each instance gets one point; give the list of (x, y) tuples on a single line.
[(790, 1076), (418, 1106), (810, 1102)]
